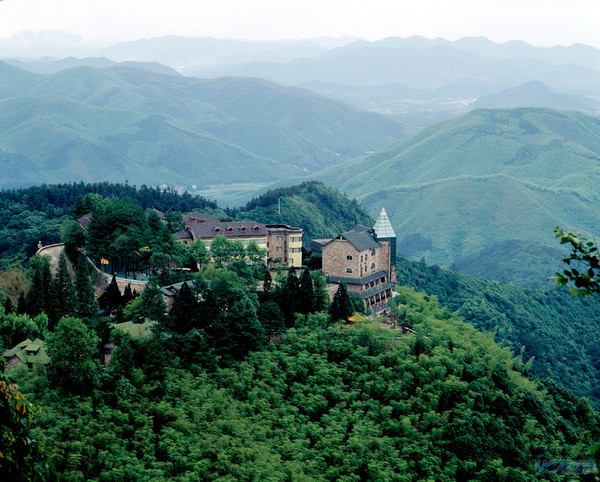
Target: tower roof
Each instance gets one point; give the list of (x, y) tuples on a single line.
[(383, 228)]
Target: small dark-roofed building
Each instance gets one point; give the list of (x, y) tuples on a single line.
[(28, 352), (85, 220), (170, 292)]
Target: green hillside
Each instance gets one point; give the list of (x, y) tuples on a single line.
[(122, 123), (323, 402), (322, 212), (490, 176), (561, 332)]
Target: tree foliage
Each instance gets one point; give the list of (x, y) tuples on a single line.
[(342, 307), (322, 403), (72, 349), (21, 457), (585, 256)]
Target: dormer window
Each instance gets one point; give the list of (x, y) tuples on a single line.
[(216, 230), (255, 228), (229, 229), (243, 229)]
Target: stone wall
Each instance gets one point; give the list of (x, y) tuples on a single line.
[(335, 262)]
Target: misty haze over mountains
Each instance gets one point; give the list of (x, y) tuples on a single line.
[(226, 118), (417, 80)]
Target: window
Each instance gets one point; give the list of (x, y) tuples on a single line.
[(295, 239), (361, 259), (278, 249), (295, 250), (372, 265), (349, 257), (279, 238), (372, 252), (243, 229), (217, 230), (255, 228), (348, 270), (229, 229)]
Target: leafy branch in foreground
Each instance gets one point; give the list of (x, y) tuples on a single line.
[(584, 254), (20, 457)]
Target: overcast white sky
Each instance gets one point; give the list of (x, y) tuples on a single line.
[(539, 22)]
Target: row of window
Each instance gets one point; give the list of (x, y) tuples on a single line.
[(349, 257), (293, 239), (349, 270), (230, 229)]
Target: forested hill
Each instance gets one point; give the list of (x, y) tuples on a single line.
[(116, 123), (493, 180), (321, 211), (324, 402), (235, 382), (30, 215), (561, 332)]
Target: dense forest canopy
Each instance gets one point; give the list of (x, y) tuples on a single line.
[(34, 214), (323, 402), (253, 375)]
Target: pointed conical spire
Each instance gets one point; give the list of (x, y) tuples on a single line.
[(383, 228)]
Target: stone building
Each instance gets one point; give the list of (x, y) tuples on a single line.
[(365, 259)]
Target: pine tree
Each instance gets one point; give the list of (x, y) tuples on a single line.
[(267, 280), (111, 298), (21, 304), (305, 293), (86, 303), (8, 306), (341, 306), (184, 312), (41, 279), (288, 299), (128, 295), (63, 301)]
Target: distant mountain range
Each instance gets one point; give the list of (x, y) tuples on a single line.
[(537, 94), (485, 188), (122, 123), (422, 81), (419, 81)]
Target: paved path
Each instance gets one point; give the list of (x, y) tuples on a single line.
[(54, 250)]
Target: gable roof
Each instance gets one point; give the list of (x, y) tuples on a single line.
[(383, 227), (360, 237), (173, 290), (232, 229), (28, 352), (85, 220), (197, 218)]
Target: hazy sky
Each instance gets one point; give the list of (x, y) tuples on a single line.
[(539, 22)]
